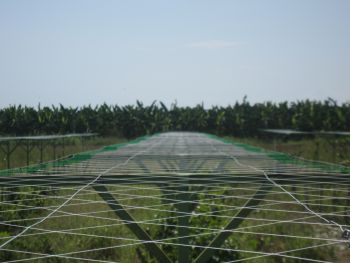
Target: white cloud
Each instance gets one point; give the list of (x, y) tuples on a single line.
[(214, 44)]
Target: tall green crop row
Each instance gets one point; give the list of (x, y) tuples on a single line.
[(239, 119)]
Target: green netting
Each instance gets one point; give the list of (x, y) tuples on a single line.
[(79, 157)]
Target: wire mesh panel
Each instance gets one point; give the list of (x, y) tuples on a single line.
[(176, 197)]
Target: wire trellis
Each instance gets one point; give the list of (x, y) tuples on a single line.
[(176, 197)]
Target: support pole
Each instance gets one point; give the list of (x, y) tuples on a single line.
[(62, 146), (27, 152), (27, 147), (82, 143), (8, 151), (234, 223), (54, 149), (317, 151), (184, 207), (141, 234), (8, 154), (184, 250), (41, 151)]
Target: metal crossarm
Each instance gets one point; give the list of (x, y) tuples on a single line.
[(9, 144), (119, 210), (234, 223), (175, 197)]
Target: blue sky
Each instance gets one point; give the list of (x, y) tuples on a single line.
[(193, 51)]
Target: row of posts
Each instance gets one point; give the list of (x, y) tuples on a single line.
[(28, 145)]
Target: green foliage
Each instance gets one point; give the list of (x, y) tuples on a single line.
[(168, 230), (241, 119), (60, 243), (328, 149), (216, 218), (52, 151)]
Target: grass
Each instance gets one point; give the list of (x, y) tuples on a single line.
[(83, 239), (57, 243), (90, 202), (334, 150), (72, 145)]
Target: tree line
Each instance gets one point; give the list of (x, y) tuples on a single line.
[(239, 119)]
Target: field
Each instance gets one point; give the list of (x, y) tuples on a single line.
[(108, 229), (90, 226), (332, 149), (71, 146), (174, 131)]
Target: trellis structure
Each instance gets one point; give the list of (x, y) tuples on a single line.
[(334, 138), (175, 197), (9, 144)]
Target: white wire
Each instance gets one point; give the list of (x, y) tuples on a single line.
[(72, 196), (95, 166)]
